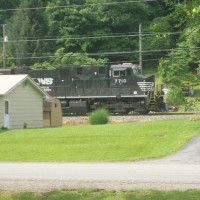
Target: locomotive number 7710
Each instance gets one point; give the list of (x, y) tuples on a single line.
[(120, 81)]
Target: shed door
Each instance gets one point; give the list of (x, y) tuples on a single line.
[(6, 114)]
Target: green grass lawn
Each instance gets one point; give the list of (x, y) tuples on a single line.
[(111, 142), (90, 194)]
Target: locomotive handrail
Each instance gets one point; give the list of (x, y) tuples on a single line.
[(150, 93)]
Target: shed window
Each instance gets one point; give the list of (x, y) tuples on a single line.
[(6, 107)]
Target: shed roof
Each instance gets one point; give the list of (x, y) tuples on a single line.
[(9, 82)]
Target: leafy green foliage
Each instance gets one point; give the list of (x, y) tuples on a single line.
[(95, 23), (8, 61), (191, 105), (25, 28), (163, 38), (76, 59), (175, 69), (99, 116), (186, 19), (5, 5), (43, 65), (175, 96)]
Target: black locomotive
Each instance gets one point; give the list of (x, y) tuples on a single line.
[(120, 88)]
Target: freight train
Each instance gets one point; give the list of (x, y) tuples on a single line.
[(120, 88)]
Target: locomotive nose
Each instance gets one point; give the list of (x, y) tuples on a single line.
[(146, 86)]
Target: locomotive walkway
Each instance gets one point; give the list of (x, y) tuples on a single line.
[(180, 171)]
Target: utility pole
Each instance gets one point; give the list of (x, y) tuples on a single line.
[(140, 46), (4, 45)]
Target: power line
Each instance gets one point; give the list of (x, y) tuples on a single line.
[(115, 62), (69, 6), (92, 37), (153, 59), (102, 54), (144, 51)]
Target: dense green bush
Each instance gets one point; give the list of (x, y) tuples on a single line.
[(175, 96), (99, 116)]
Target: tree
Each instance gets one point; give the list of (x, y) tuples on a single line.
[(98, 27), (192, 34), (186, 19), (25, 29), (175, 68), (161, 37), (5, 5)]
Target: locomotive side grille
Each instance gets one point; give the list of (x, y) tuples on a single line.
[(146, 86)]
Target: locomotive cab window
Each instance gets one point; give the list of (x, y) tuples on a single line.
[(136, 71), (119, 73)]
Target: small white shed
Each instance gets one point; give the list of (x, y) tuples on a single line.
[(21, 102)]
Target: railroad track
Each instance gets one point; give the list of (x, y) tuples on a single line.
[(75, 120)]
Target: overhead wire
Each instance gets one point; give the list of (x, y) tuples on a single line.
[(48, 56), (101, 53), (111, 62), (88, 37), (74, 5)]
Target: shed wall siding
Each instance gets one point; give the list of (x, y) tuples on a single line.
[(1, 112), (26, 107)]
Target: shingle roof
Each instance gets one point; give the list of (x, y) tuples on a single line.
[(9, 82)]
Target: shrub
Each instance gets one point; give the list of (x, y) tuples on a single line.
[(99, 116), (175, 97)]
